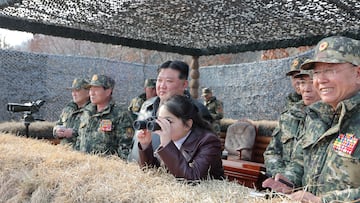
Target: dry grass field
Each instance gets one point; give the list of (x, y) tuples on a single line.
[(33, 170)]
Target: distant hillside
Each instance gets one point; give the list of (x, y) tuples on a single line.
[(64, 46)]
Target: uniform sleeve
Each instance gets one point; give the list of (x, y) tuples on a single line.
[(273, 154), (342, 195), (294, 171), (125, 133), (131, 104), (60, 121), (219, 110)]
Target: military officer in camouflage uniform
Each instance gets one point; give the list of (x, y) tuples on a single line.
[(295, 96), (150, 91), (327, 161), (67, 126), (104, 127), (215, 108), (280, 149)]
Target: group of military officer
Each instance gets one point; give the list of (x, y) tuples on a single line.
[(92, 122), (314, 154), (319, 154)]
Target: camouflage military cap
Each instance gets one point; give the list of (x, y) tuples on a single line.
[(102, 80), (303, 73), (295, 66), (336, 49), (151, 83), (206, 91), (79, 83)]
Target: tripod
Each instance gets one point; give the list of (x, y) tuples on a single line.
[(28, 118)]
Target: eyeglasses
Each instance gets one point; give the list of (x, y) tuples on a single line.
[(328, 72)]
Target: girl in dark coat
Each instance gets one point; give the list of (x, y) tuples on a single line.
[(188, 147)]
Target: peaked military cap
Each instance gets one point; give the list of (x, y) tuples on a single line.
[(335, 49), (295, 66), (79, 83), (102, 80), (151, 83), (303, 73), (206, 91)]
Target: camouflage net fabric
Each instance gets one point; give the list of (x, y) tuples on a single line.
[(187, 27)]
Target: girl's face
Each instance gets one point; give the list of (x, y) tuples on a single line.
[(178, 128)]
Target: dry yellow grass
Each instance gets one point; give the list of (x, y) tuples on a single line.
[(40, 129), (36, 171)]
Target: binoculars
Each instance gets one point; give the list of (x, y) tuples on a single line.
[(149, 124)]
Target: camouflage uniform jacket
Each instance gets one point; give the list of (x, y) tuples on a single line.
[(215, 108), (70, 118), (285, 136), (106, 132), (292, 99), (149, 109), (323, 162), (137, 102)]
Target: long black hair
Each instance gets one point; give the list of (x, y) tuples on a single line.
[(182, 107)]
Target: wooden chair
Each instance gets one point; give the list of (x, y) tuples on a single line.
[(248, 172), (260, 144)]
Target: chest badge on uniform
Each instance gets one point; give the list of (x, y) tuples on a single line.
[(105, 125), (346, 143)]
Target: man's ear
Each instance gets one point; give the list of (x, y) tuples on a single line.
[(186, 84), (108, 91)]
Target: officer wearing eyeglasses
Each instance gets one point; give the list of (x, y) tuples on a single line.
[(326, 163)]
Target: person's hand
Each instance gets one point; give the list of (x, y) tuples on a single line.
[(68, 132), (278, 184), (164, 132), (144, 138), (59, 131), (304, 197)]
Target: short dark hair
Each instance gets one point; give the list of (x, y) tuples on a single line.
[(180, 66)]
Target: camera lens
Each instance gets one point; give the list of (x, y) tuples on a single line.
[(139, 124), (153, 125)]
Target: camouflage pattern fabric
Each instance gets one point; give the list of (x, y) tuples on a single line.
[(280, 149), (70, 118), (215, 108), (136, 103), (107, 132), (79, 83), (103, 81), (327, 165), (295, 66), (292, 99), (335, 49)]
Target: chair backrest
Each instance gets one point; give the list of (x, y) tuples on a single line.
[(240, 135)]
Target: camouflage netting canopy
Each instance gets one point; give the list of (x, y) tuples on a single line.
[(197, 27)]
